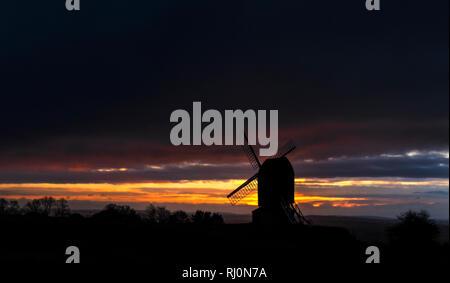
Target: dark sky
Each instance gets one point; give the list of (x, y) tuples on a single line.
[(95, 88)]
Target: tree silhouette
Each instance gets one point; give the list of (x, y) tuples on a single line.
[(216, 219), (179, 217), (4, 204), (200, 217), (119, 213), (34, 207), (47, 205), (41, 206), (13, 208), (414, 230), (159, 214), (150, 214), (206, 218), (162, 215), (61, 208)]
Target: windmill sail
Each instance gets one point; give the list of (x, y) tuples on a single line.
[(285, 150), (250, 152), (293, 213), (252, 158), (244, 190)]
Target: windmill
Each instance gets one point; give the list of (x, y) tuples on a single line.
[(275, 183)]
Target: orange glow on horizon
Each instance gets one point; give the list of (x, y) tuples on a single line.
[(199, 191), (353, 182)]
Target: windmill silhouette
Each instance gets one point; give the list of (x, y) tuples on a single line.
[(275, 183)]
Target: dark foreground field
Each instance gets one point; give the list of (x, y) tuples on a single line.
[(36, 239)]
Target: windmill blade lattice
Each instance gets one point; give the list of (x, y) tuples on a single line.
[(251, 156), (244, 190)]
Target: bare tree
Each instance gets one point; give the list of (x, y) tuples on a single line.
[(206, 218), (179, 217), (34, 206), (413, 228), (159, 214), (162, 215), (61, 208), (150, 214), (3, 206), (13, 208), (41, 206), (200, 217), (216, 219), (47, 205)]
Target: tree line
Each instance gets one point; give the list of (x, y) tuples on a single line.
[(46, 206), (50, 207)]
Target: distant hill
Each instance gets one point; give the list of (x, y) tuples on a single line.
[(365, 228)]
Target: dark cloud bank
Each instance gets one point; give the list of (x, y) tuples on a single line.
[(96, 89)]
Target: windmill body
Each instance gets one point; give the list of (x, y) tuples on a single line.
[(275, 183)]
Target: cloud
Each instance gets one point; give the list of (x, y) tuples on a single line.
[(425, 164), (435, 193), (339, 94), (80, 103), (318, 193)]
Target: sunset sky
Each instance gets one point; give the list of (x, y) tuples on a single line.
[(86, 99)]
